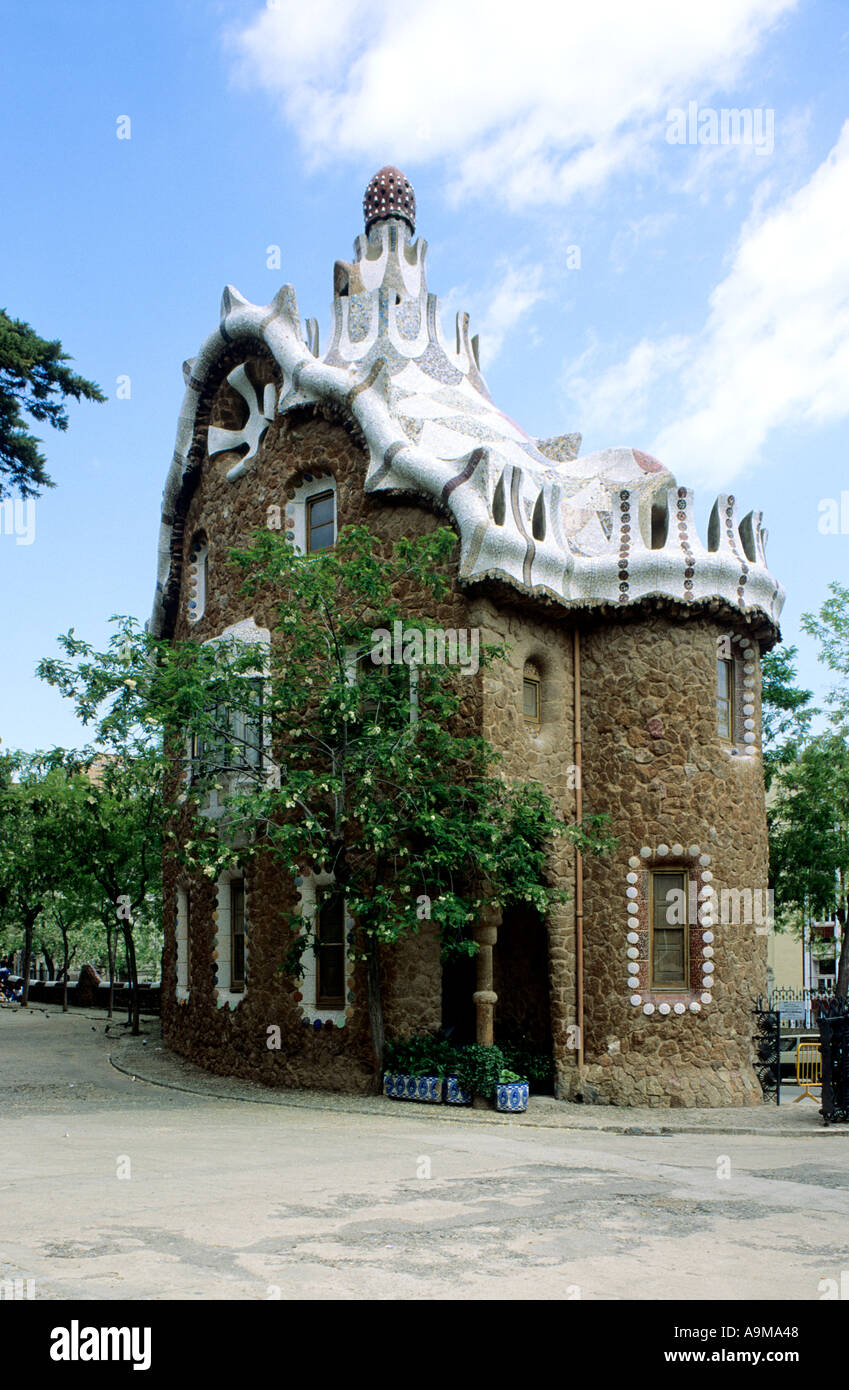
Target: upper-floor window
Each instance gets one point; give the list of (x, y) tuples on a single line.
[(312, 520), (669, 929), (246, 729), (233, 739), (725, 698), (321, 522), (390, 693), (531, 695)]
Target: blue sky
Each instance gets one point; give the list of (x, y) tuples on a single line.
[(704, 318)]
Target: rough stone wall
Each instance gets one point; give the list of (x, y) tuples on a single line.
[(654, 761), (235, 1040), (546, 756)]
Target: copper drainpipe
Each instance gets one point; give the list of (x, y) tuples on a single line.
[(579, 858)]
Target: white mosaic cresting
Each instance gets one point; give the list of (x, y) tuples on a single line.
[(431, 429)]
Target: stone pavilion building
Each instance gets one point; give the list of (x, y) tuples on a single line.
[(632, 687)]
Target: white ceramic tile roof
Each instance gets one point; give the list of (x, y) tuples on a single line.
[(608, 528)]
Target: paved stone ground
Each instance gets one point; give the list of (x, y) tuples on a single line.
[(233, 1191)]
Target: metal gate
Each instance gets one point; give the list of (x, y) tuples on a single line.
[(833, 1023), (767, 1043)]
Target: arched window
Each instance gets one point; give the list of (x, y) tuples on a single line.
[(321, 522), (312, 522), (532, 695)]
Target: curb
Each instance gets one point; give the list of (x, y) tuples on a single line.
[(433, 1112)]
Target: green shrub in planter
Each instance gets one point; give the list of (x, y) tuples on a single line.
[(415, 1067), (478, 1069)]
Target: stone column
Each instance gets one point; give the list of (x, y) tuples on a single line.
[(486, 935)]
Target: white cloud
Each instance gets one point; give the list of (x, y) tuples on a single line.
[(496, 309), (773, 352), (534, 103), (633, 233)]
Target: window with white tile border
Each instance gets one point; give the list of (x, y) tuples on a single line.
[(226, 995), (311, 486), (198, 576), (309, 887), (247, 631)]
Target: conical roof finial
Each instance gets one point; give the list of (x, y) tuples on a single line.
[(390, 194)]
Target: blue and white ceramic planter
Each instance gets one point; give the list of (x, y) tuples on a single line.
[(429, 1089), (454, 1093), (511, 1096), (399, 1086)]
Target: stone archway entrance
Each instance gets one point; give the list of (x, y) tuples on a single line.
[(521, 981)]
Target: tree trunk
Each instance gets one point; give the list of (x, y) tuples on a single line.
[(130, 945), (49, 962), (110, 955), (29, 922), (129, 978), (375, 1008), (65, 963)]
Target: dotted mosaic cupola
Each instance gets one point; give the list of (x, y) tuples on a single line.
[(609, 528)]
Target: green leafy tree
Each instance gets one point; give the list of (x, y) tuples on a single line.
[(786, 711), (68, 927), (808, 815), (35, 809), (809, 837), (831, 629), (328, 761), (34, 379), (116, 832)]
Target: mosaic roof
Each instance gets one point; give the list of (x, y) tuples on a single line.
[(608, 528)]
